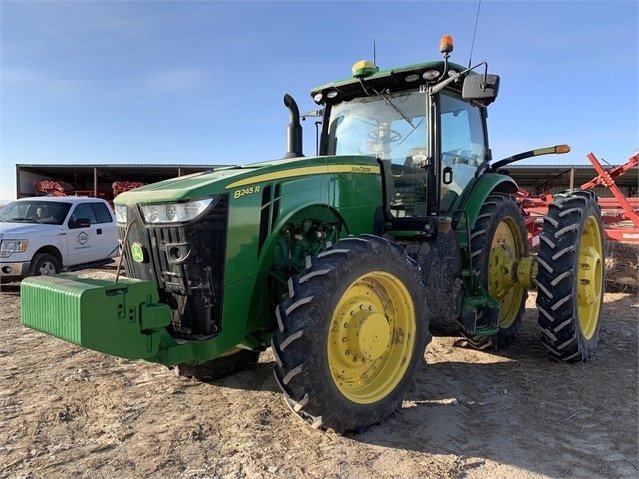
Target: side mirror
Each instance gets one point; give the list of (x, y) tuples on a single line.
[(481, 87), (79, 223)]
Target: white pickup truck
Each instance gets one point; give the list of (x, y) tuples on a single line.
[(44, 235)]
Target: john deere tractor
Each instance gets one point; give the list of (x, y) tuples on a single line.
[(338, 261)]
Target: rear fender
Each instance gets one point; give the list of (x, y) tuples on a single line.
[(482, 188)]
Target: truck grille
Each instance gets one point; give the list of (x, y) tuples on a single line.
[(186, 262)]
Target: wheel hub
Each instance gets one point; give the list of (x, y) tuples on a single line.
[(507, 250), (501, 270), (589, 284), (47, 269), (369, 334)]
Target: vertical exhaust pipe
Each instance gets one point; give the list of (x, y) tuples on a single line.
[(294, 129)]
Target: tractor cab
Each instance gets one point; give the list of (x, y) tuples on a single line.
[(424, 123)]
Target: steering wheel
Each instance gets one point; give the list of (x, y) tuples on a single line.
[(389, 135)]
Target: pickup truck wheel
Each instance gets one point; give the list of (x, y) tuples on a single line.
[(44, 264), (351, 334)]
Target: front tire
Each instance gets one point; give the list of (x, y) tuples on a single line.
[(571, 276), (351, 334), (44, 264)]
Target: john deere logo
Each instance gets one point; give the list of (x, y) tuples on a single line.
[(137, 252)]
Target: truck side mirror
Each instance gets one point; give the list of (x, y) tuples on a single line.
[(481, 87), (79, 223)]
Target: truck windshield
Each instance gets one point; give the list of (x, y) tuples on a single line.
[(35, 211)]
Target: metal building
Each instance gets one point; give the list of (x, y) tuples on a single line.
[(98, 180)]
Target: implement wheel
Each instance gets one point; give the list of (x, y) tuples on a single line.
[(351, 334), (233, 361), (498, 242), (571, 275)]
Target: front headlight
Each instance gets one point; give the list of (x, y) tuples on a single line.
[(175, 212), (120, 214), (12, 246)]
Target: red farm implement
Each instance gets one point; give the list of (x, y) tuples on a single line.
[(122, 186), (620, 214), (61, 188)]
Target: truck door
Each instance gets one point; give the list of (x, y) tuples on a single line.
[(96, 241)]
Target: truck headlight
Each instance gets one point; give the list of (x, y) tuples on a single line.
[(120, 214), (176, 212), (12, 246)]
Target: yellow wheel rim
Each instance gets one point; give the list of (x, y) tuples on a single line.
[(371, 337), (507, 249), (589, 277)]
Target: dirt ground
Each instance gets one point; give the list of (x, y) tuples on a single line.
[(69, 412)]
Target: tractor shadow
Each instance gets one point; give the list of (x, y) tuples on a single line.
[(463, 409), (258, 377), (10, 289), (513, 405)]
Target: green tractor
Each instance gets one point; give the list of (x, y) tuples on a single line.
[(339, 261)]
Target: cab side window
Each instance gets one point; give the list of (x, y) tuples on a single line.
[(462, 136)]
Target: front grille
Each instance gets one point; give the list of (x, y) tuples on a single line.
[(186, 262)]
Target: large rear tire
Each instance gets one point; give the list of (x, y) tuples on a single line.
[(351, 334), (571, 276), (498, 242)]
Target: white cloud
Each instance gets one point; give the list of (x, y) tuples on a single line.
[(18, 77), (168, 81)]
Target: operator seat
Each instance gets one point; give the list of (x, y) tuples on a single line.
[(411, 160), (410, 189)]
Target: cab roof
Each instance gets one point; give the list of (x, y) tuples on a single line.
[(393, 79)]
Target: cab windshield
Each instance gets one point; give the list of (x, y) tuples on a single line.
[(394, 127), (383, 126)]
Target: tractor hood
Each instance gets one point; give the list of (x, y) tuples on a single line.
[(227, 179)]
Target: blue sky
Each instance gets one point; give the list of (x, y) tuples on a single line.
[(146, 82)]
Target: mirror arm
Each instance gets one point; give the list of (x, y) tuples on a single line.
[(449, 80)]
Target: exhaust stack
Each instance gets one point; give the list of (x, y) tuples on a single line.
[(294, 129)]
